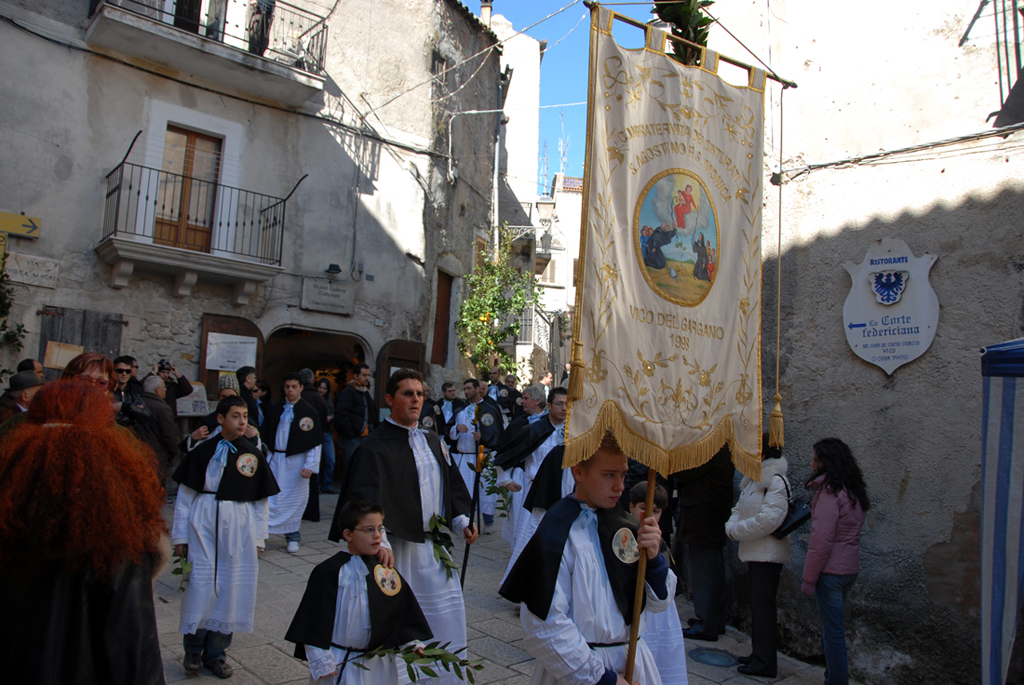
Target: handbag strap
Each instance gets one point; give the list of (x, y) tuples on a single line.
[(786, 483)]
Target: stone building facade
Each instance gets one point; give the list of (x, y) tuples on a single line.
[(312, 206), (909, 75)]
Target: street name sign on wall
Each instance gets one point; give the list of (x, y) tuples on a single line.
[(31, 270), (891, 313), (325, 295), (20, 225)]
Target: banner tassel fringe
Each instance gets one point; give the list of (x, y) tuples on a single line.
[(776, 434), (576, 372), (610, 418)]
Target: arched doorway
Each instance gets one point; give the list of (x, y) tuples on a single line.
[(328, 354)]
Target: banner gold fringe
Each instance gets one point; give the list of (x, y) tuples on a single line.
[(776, 432), (610, 418)]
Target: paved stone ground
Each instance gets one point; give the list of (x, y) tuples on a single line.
[(263, 656)]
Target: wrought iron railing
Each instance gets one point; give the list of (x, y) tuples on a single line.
[(269, 28), (194, 214)]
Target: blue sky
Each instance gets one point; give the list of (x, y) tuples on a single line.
[(563, 71)]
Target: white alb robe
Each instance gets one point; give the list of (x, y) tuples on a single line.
[(286, 507), (439, 596), (583, 611), (229, 607), (351, 629), (466, 446), (664, 637), (526, 522)]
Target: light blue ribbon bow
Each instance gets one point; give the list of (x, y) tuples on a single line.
[(220, 455), (288, 413)]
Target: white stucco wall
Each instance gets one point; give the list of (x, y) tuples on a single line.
[(872, 82)]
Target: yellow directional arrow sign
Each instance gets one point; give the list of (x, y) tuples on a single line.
[(19, 224)]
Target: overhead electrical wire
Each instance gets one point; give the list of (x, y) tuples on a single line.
[(876, 157), (489, 48)]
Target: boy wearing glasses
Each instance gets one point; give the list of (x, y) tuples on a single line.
[(355, 602), (220, 524)]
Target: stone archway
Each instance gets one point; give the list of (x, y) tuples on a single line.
[(332, 354)]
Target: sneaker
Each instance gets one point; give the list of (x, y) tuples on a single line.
[(220, 668), (293, 548), (192, 662)]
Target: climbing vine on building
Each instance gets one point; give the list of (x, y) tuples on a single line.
[(11, 337)]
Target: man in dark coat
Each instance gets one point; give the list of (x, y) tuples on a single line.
[(705, 504), (355, 412), (246, 384), (176, 384), (21, 389), (160, 432)]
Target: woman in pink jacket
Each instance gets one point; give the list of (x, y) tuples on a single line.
[(833, 555)]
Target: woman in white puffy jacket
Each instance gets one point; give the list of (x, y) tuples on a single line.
[(762, 508)]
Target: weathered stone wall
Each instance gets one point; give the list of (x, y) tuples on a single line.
[(865, 86), (385, 207)]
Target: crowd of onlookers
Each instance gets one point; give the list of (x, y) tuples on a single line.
[(93, 451)]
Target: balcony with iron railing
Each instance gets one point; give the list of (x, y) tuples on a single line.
[(266, 48), (190, 227)]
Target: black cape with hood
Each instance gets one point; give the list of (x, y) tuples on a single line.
[(394, 621), (244, 480), (383, 471), (299, 439), (533, 577), (524, 443)]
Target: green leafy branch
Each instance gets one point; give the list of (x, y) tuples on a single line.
[(434, 654), (443, 544), (183, 568), (689, 23), (499, 294)]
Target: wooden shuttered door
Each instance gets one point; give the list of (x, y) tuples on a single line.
[(94, 331)]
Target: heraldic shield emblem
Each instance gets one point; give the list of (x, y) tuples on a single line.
[(891, 313)]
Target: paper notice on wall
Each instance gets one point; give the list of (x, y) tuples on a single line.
[(226, 352), (194, 404), (59, 354)]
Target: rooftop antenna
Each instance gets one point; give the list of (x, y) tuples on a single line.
[(563, 145), (544, 170)]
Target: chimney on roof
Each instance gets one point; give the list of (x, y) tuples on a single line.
[(485, 12)]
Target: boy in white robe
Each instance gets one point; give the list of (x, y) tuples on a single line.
[(357, 602), (412, 476), (293, 432), (220, 523), (663, 632), (576, 579)]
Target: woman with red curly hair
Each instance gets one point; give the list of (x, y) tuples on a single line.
[(80, 539)]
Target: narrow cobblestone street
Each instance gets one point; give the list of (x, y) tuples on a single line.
[(264, 657)]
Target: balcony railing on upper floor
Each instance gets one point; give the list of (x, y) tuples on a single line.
[(194, 214), (535, 329), (269, 28)]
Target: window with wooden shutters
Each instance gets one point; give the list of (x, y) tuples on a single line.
[(187, 190)]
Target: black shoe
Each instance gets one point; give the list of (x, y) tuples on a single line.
[(695, 635), (192, 662), (745, 660), (220, 668), (747, 670), (692, 621)]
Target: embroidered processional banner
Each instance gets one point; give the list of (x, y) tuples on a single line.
[(666, 342)]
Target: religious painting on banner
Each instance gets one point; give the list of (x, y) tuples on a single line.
[(666, 345)]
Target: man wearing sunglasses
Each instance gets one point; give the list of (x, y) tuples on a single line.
[(132, 412)]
